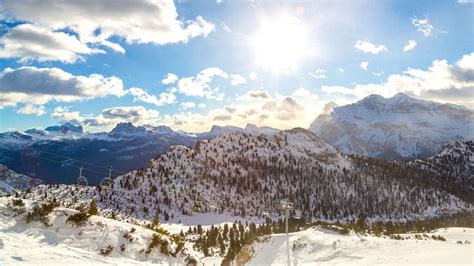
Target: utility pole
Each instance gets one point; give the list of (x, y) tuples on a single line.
[(287, 207)]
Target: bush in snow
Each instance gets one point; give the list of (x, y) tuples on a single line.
[(106, 251), (40, 213), (93, 208), (78, 219)]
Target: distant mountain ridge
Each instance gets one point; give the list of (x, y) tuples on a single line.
[(400, 127), (56, 152), (11, 182)]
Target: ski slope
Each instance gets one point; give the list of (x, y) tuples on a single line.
[(63, 243), (323, 247)]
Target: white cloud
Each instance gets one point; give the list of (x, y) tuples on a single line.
[(40, 85), (337, 89), (364, 65), (169, 79), (188, 105), (253, 75), (165, 97), (109, 117), (441, 82), (96, 22), (411, 44), (202, 105), (63, 113), (423, 26), (304, 95), (368, 47), (30, 109), (281, 112), (200, 85), (225, 27), (31, 42), (254, 95), (378, 74), (466, 2), (340, 70), (318, 74), (236, 79)]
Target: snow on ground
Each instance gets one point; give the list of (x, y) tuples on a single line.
[(205, 220), (323, 247), (62, 243)]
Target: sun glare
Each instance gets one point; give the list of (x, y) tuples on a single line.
[(280, 44)]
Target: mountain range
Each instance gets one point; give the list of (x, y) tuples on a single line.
[(247, 175), (400, 128), (55, 153)]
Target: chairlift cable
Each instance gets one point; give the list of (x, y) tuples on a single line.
[(78, 160)]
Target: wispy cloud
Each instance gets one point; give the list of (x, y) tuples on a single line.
[(411, 44), (423, 26), (318, 74), (369, 47), (441, 82)]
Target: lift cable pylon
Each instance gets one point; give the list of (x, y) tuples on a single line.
[(107, 182), (81, 180)]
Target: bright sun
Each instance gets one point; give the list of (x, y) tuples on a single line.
[(280, 44)]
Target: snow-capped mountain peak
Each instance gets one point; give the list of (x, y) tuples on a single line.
[(400, 127), (328, 107), (65, 128)]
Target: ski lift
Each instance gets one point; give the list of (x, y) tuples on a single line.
[(107, 182), (81, 180)]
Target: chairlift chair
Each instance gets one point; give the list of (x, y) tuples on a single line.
[(81, 180), (107, 182)]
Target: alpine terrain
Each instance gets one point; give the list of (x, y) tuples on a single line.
[(400, 127)]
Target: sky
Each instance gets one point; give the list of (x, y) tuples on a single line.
[(193, 64)]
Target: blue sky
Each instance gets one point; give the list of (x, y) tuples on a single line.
[(274, 63)]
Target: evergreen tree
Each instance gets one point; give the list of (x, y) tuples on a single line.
[(93, 208)]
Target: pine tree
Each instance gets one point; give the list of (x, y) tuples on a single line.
[(93, 208), (156, 219)]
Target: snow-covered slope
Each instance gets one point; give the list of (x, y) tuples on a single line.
[(400, 127), (64, 242), (318, 246), (246, 175), (11, 182), (33, 243)]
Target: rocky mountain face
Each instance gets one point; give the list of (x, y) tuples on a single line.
[(54, 154), (455, 159), (11, 182), (245, 174), (401, 127), (65, 128)]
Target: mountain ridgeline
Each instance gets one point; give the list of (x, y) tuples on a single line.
[(397, 128), (247, 174)]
